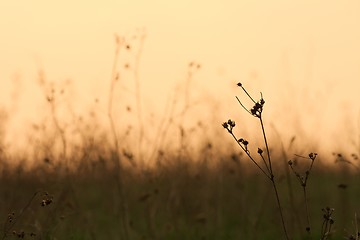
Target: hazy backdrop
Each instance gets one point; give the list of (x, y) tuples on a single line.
[(303, 55)]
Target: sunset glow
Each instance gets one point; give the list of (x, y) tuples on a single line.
[(179, 119), (303, 55)]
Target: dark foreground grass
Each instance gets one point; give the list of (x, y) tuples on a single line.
[(181, 199)]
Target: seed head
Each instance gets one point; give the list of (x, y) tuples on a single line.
[(231, 123), (312, 156), (47, 200), (257, 109), (262, 101)]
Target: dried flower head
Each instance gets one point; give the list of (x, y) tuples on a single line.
[(229, 125), (46, 200), (257, 108), (312, 156)]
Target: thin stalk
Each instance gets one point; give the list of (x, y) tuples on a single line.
[(356, 228), (272, 178), (307, 210), (51, 100), (242, 105), (267, 167), (324, 229), (138, 96), (248, 94), (59, 129), (113, 79), (295, 216), (116, 157), (266, 145), (280, 208)]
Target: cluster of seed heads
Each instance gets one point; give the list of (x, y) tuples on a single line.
[(46, 200), (229, 125), (244, 142)]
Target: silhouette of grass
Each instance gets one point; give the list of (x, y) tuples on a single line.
[(256, 111), (182, 198), (99, 184), (265, 167)]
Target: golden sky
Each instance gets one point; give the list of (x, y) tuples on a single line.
[(303, 55)]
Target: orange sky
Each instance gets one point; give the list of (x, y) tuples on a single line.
[(303, 55)]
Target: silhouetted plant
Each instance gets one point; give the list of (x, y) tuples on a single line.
[(327, 224), (123, 213), (303, 182), (256, 111)]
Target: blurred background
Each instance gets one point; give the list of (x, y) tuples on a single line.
[(304, 56), (111, 118)]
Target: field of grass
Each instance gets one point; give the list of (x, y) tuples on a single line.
[(212, 198), (79, 181)]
